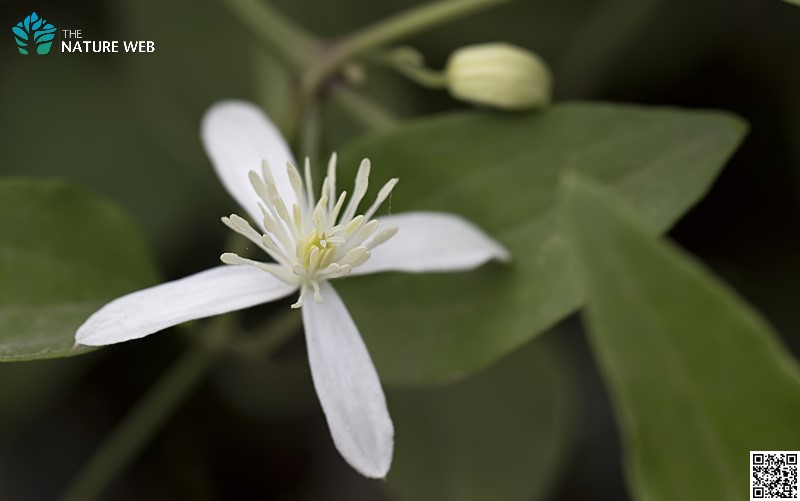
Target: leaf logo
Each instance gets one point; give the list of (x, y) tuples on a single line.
[(34, 35)]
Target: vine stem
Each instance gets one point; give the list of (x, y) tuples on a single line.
[(141, 423), (287, 39), (139, 426), (310, 135), (368, 112), (390, 30)]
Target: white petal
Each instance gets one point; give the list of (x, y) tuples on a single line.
[(347, 385), (211, 292), (432, 241), (237, 137)]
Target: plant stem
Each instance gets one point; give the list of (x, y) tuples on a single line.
[(288, 40), (141, 423), (367, 111), (310, 135), (390, 30), (270, 337)]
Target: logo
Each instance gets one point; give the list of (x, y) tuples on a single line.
[(34, 35)]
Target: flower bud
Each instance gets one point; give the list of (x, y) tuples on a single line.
[(500, 75)]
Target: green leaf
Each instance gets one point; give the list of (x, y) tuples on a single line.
[(502, 171), (698, 378), (502, 434), (63, 254), (172, 198)]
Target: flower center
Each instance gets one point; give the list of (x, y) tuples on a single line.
[(313, 240), (314, 247)]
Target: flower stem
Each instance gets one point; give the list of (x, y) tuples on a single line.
[(288, 40), (390, 30), (367, 111), (141, 423)]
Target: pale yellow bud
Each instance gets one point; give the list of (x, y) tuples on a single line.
[(500, 75)]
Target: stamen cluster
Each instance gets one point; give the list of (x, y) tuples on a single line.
[(312, 240)]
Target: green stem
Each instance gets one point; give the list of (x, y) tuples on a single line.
[(288, 40), (139, 426), (390, 30), (269, 337), (368, 112), (423, 76), (310, 136)]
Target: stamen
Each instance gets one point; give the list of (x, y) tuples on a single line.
[(332, 185), (266, 172), (313, 261), (382, 237), (337, 207), (309, 240), (323, 196), (359, 236), (274, 251), (331, 269), (317, 293), (364, 233), (299, 302), (298, 219), (259, 186), (356, 257), (277, 229), (385, 192), (243, 228), (278, 272), (309, 185), (280, 207), (361, 185), (353, 225), (297, 184)]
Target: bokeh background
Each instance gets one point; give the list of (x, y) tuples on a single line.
[(126, 127)]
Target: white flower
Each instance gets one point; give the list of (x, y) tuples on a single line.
[(311, 242)]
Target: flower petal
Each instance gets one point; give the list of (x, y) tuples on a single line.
[(432, 241), (347, 385), (211, 292), (237, 137)]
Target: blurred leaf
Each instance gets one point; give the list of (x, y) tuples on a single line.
[(698, 378), (196, 64), (96, 141), (501, 171), (501, 434), (63, 254)]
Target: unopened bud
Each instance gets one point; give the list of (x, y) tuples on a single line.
[(500, 75)]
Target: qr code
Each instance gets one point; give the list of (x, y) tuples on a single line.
[(773, 475)]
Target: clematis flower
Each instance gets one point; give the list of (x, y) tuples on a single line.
[(310, 242)]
